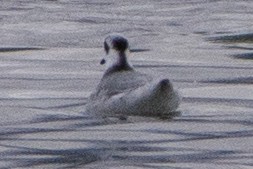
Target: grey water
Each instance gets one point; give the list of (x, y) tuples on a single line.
[(49, 60)]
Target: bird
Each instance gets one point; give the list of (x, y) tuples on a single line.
[(127, 92)]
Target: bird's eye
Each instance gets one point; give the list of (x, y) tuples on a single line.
[(106, 48), (102, 62)]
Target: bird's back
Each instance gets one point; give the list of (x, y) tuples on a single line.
[(119, 82)]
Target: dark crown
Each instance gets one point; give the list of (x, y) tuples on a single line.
[(116, 42)]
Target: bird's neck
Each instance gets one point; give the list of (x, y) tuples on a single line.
[(118, 62)]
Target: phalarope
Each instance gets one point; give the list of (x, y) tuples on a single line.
[(125, 91)]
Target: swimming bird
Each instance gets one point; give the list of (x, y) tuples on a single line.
[(125, 91)]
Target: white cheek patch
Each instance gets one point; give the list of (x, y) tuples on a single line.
[(112, 59)]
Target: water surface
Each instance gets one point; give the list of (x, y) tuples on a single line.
[(49, 61)]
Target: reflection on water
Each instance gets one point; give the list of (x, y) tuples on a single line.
[(244, 56), (16, 49), (240, 38), (76, 145), (49, 64)]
